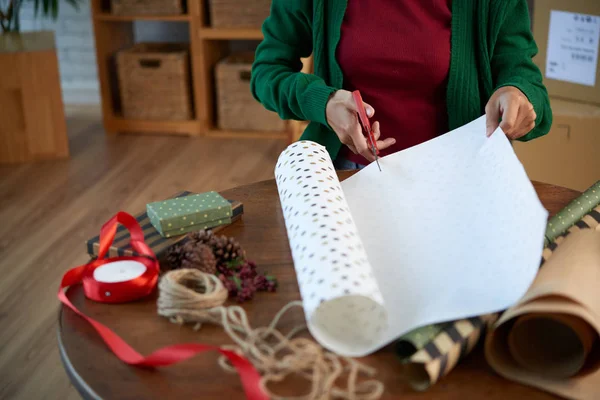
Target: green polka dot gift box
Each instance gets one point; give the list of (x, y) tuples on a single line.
[(190, 213)]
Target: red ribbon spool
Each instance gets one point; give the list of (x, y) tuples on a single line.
[(121, 291)]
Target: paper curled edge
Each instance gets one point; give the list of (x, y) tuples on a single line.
[(566, 287), (436, 358)]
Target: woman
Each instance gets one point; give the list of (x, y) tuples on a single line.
[(423, 67)]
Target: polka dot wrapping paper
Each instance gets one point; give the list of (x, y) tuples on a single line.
[(573, 212), (449, 229)]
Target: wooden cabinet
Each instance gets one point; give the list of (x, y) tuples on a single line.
[(32, 120), (208, 46)]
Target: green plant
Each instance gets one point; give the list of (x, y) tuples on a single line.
[(10, 11)]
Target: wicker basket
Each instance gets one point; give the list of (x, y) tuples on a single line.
[(237, 109), (238, 13), (154, 81), (146, 7)]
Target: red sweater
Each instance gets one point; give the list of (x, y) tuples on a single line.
[(397, 53)]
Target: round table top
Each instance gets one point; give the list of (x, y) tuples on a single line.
[(98, 373)]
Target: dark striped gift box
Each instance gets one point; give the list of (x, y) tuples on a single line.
[(441, 354), (158, 244)]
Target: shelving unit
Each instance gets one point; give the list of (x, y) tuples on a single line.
[(207, 46), (104, 16), (230, 34)]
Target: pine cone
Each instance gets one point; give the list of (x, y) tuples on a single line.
[(174, 257), (201, 237), (225, 249), (199, 256)]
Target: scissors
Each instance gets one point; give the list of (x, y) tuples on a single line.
[(366, 125)]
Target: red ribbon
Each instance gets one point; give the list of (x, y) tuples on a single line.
[(135, 289)]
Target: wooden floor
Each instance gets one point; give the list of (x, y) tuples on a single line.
[(48, 210)]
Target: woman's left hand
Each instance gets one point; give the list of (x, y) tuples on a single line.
[(518, 116)]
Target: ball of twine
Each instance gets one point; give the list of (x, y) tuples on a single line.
[(192, 296)]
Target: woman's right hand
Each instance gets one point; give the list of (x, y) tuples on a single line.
[(342, 116)]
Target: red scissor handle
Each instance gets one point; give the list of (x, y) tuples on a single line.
[(364, 120)]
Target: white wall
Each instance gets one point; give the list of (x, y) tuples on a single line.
[(76, 51), (75, 42)]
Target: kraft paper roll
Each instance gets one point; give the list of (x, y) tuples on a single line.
[(573, 212), (430, 362), (550, 339), (582, 213), (555, 345)]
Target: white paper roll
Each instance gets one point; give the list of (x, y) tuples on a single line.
[(448, 229), (340, 293)]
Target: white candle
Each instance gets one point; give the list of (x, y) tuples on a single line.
[(119, 271)]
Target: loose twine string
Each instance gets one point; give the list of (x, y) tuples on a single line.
[(191, 296)]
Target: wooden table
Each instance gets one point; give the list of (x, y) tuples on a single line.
[(97, 373)]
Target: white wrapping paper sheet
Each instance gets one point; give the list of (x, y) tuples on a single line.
[(449, 229)]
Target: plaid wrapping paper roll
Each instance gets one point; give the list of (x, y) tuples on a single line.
[(158, 244), (437, 357), (413, 341)]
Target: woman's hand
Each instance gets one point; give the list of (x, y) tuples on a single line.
[(342, 117), (518, 116)]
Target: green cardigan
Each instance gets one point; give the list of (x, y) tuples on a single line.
[(492, 46)]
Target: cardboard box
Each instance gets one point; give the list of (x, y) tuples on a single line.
[(569, 155), (568, 37), (530, 6)]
